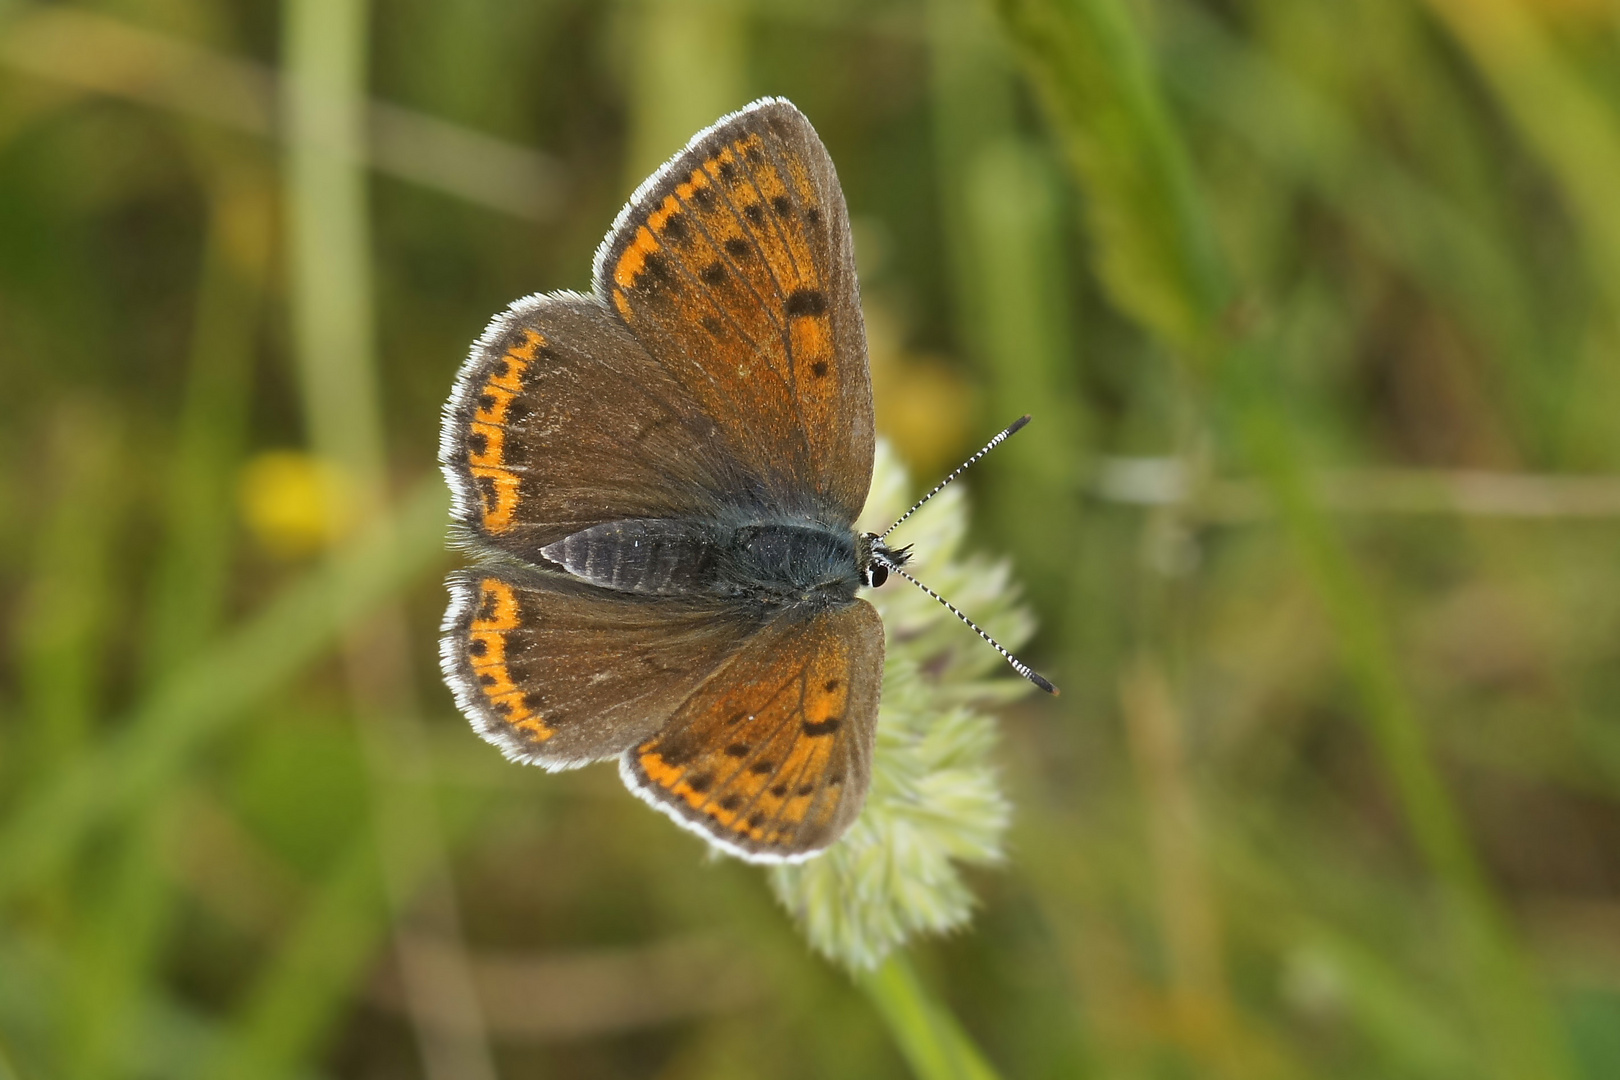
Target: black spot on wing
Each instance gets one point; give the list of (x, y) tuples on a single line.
[(676, 753), (806, 302)]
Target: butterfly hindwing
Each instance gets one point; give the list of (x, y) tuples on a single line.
[(771, 757), (560, 674), (733, 266)]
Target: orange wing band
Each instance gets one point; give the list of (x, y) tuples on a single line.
[(486, 653), (498, 487)]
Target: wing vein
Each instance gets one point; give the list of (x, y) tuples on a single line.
[(769, 138), (703, 291), (749, 231), (809, 760), (736, 267)]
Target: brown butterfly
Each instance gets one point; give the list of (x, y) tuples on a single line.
[(660, 482)]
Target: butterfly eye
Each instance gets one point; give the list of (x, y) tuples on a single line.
[(875, 575)]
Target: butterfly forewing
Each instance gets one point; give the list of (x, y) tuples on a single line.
[(733, 267), (771, 757), (560, 420), (559, 674)]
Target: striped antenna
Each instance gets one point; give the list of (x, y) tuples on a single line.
[(1017, 665), (989, 446)]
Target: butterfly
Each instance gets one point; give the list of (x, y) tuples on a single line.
[(659, 482)]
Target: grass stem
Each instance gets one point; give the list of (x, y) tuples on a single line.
[(930, 1039)]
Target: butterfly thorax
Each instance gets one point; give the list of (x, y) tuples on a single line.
[(772, 562)]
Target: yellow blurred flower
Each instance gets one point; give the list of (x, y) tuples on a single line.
[(294, 503)]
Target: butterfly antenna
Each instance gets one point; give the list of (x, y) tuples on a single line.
[(1017, 665), (989, 446)]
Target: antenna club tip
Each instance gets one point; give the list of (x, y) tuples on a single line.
[(1040, 680), (1018, 423)]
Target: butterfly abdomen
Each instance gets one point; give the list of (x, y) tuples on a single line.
[(660, 557), (774, 563)]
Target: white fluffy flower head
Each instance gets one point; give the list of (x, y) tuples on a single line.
[(935, 801)]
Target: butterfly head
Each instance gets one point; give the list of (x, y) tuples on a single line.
[(877, 558)]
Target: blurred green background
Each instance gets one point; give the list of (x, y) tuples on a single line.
[(1317, 306)]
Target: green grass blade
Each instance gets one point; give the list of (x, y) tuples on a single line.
[(298, 996), (687, 71), (162, 734), (121, 932), (1571, 128), (124, 932), (1521, 1031), (1024, 282), (68, 612), (1156, 250), (1311, 144), (932, 1042), (190, 582), (1574, 130), (1157, 254), (326, 60)]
